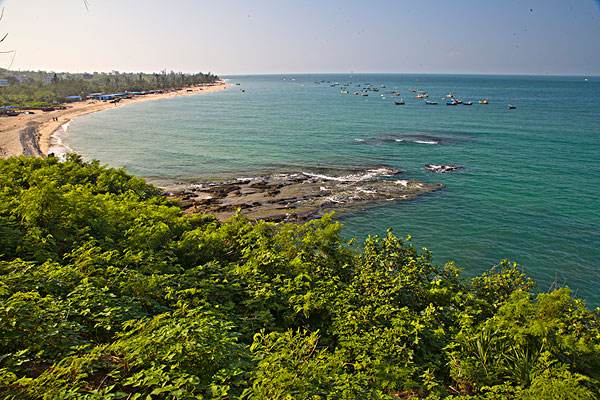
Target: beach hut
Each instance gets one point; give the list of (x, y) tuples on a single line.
[(9, 110), (71, 99)]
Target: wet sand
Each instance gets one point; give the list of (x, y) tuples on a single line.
[(30, 134)]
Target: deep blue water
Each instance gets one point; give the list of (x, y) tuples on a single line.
[(528, 191)]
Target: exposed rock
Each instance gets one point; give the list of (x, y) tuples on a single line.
[(299, 196), (441, 169)]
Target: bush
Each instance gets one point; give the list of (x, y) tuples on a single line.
[(107, 290)]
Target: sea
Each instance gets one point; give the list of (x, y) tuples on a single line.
[(527, 190)]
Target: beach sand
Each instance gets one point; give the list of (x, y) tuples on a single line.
[(30, 134)]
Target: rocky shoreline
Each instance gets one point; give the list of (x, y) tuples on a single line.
[(298, 196)]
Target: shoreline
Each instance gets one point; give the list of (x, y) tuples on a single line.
[(31, 134), (294, 196)]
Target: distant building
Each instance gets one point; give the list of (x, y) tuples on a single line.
[(21, 78), (4, 82), (71, 99), (94, 96)]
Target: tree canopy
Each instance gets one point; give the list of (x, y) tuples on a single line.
[(108, 291)]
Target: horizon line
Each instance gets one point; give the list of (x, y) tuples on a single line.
[(415, 73), (575, 75)]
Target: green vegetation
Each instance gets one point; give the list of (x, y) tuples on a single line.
[(40, 89), (108, 292)]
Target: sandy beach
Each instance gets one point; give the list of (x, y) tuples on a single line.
[(30, 134)]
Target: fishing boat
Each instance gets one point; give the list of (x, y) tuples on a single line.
[(468, 103), (449, 95), (343, 91), (451, 102), (431, 103), (511, 107), (422, 96), (399, 103), (484, 101)]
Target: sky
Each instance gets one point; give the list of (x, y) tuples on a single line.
[(558, 37)]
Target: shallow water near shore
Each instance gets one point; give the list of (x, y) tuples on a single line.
[(528, 190)]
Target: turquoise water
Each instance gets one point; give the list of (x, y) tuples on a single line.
[(528, 191)]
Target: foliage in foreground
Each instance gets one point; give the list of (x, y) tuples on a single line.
[(108, 292)]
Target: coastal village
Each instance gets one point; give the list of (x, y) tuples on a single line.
[(27, 122)]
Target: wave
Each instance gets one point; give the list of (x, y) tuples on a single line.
[(57, 146), (366, 191), (369, 174), (404, 139), (426, 141), (416, 141)]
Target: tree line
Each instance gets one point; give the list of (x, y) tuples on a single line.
[(39, 88)]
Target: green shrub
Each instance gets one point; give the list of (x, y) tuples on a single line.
[(109, 291)]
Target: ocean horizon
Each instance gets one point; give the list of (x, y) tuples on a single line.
[(526, 190)]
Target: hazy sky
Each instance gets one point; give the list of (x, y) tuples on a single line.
[(280, 36)]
